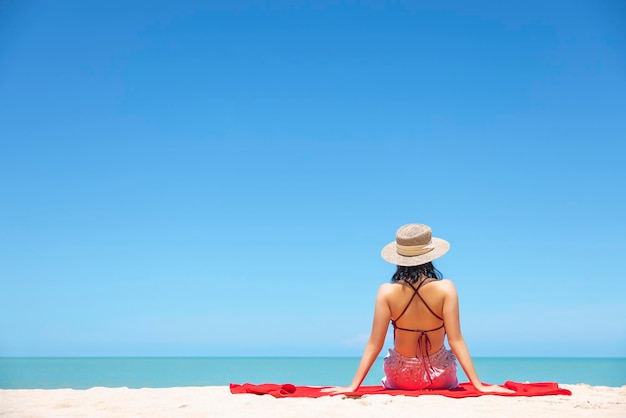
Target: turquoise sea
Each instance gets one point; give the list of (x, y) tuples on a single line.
[(136, 372)]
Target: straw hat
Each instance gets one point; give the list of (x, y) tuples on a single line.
[(414, 245)]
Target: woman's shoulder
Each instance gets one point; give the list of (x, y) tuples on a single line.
[(446, 285), (387, 288), (443, 284)]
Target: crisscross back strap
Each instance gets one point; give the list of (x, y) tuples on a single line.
[(426, 304), (424, 344), (416, 293)]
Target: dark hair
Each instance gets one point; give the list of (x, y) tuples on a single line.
[(412, 274)]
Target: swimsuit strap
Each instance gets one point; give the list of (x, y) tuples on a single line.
[(416, 293), (426, 304), (393, 321), (419, 330), (423, 341)]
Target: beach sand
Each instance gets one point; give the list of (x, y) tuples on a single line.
[(217, 401)]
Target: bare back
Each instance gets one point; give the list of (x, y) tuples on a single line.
[(414, 318)]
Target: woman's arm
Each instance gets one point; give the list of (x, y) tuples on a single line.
[(380, 324), (451, 319)]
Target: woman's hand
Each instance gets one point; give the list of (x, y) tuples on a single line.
[(493, 389), (335, 390)]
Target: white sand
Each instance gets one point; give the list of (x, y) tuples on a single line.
[(217, 401)]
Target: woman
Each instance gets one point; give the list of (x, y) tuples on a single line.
[(422, 308)]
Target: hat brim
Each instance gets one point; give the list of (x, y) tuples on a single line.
[(390, 254)]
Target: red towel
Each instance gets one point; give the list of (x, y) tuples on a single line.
[(464, 390)]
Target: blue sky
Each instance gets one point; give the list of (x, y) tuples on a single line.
[(218, 178)]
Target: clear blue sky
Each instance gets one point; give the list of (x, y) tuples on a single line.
[(218, 178)]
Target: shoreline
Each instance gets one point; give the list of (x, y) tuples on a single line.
[(217, 401)]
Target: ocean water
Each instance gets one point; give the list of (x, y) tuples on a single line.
[(137, 372)]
